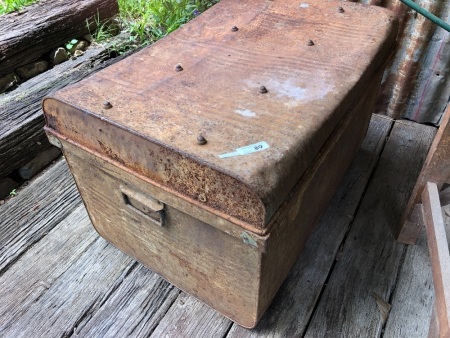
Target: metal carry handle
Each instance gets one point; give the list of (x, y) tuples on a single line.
[(146, 206)]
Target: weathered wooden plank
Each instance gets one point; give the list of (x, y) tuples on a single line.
[(413, 299), (40, 267), (439, 254), (189, 317), (37, 209), (63, 279), (37, 29), (133, 310), (367, 273), (289, 314), (435, 169), (21, 117)]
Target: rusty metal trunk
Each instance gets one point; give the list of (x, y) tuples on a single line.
[(210, 155)]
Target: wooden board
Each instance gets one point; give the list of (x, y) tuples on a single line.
[(289, 313), (21, 117), (62, 246), (36, 210), (413, 299), (37, 29), (133, 309), (435, 169), (361, 284), (439, 254), (75, 280), (187, 318)]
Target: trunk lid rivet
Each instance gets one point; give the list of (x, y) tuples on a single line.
[(201, 140), (262, 90), (234, 29), (178, 68), (107, 105), (341, 10), (310, 43)]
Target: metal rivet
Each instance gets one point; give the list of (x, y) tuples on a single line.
[(341, 10), (310, 43), (107, 105), (234, 29), (178, 68), (262, 90), (201, 140), (202, 198)]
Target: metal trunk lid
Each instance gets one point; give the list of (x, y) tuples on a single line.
[(263, 83)]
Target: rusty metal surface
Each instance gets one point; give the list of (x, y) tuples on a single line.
[(416, 85), (198, 94)]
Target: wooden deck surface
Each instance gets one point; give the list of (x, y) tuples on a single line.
[(58, 278)]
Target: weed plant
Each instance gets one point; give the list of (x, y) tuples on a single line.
[(150, 20), (7, 6), (145, 20)]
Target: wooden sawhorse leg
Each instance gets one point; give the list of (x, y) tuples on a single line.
[(435, 169), (440, 260)]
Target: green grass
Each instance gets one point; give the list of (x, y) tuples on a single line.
[(145, 20), (7, 6), (150, 20)]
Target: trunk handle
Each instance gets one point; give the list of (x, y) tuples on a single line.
[(143, 205)]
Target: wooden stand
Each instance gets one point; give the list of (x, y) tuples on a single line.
[(440, 260), (435, 169), (424, 208)]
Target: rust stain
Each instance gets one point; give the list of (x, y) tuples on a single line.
[(403, 92)]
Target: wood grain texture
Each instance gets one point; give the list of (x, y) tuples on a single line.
[(371, 257), (435, 169), (63, 280), (189, 317), (413, 299), (36, 210), (21, 117), (133, 309), (37, 29), (439, 255), (41, 266), (291, 309)]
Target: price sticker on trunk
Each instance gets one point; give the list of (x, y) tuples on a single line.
[(252, 148)]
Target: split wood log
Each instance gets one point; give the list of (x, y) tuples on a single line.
[(28, 34), (21, 117)]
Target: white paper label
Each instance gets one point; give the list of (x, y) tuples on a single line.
[(252, 148)]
